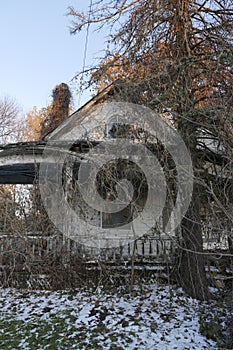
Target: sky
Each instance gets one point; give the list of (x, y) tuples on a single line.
[(38, 52)]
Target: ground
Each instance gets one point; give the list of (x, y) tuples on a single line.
[(150, 317)]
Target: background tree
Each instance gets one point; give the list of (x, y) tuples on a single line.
[(58, 111), (34, 120), (177, 56), (39, 122), (11, 130)]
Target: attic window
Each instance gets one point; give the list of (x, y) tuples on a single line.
[(118, 130)]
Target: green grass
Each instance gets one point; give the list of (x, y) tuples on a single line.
[(58, 332)]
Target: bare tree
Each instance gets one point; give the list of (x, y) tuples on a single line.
[(177, 56), (10, 126), (10, 131)]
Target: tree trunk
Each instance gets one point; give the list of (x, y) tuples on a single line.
[(191, 269)]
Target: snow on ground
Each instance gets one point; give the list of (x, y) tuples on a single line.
[(152, 317)]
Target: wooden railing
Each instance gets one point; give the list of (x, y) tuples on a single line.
[(38, 261), (36, 246)]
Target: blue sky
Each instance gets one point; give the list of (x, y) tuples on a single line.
[(38, 52)]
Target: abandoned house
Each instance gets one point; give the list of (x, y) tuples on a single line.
[(82, 135)]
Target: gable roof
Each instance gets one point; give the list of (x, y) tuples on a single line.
[(109, 93)]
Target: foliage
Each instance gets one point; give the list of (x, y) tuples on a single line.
[(40, 122), (34, 119), (216, 323), (59, 109)]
